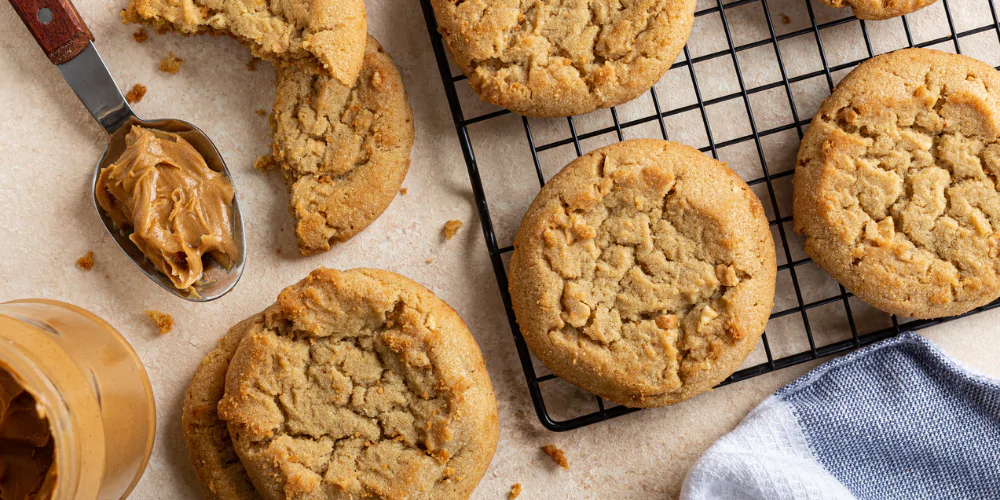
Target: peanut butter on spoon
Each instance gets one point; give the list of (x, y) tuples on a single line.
[(177, 208)]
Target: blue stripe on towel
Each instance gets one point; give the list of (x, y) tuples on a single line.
[(904, 421)]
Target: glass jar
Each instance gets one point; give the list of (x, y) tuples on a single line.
[(94, 392)]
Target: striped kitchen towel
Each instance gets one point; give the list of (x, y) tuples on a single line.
[(896, 420)]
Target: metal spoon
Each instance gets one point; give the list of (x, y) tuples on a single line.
[(66, 40)]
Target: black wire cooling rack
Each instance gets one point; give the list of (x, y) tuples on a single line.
[(804, 316)]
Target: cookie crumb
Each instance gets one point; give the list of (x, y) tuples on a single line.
[(136, 94), (430, 261), (163, 321), (86, 262), (141, 35), (515, 491), (265, 162), (171, 64), (252, 64), (785, 19), (403, 191), (451, 227), (557, 455), (260, 112)]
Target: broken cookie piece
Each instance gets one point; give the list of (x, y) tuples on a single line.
[(327, 36), (451, 228), (558, 455), (86, 262), (171, 63), (136, 94), (163, 321), (515, 491), (343, 151)]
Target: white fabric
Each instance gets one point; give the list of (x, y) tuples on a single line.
[(765, 458)]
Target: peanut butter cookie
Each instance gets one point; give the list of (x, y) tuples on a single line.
[(358, 384), (876, 10), (209, 444), (344, 151), (643, 272), (551, 58), (303, 32), (896, 184)]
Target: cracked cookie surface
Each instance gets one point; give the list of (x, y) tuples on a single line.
[(344, 151), (875, 10), (551, 58), (303, 32), (210, 447), (643, 272), (896, 183), (356, 384)]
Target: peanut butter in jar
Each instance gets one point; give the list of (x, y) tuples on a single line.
[(78, 416), (27, 451)]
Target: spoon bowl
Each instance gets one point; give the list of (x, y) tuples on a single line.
[(64, 37), (216, 280)]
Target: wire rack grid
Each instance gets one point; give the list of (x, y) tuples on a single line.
[(724, 36)]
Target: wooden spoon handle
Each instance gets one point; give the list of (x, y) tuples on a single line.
[(57, 27)]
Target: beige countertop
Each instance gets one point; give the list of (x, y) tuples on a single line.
[(49, 146)]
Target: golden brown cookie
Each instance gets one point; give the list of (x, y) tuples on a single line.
[(209, 444), (360, 384), (643, 272), (876, 10), (344, 151), (302, 32), (551, 58), (896, 184)]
